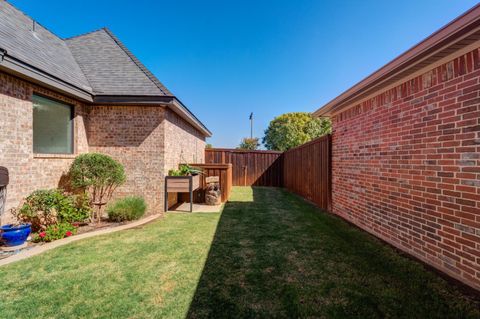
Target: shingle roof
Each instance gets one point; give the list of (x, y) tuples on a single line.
[(111, 68), (33, 44), (94, 67), (96, 62)]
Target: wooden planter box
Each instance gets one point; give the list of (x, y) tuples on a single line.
[(181, 184)]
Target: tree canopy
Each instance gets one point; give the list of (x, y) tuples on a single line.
[(249, 144), (293, 129)]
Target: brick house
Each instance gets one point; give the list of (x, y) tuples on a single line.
[(63, 97), (406, 150)]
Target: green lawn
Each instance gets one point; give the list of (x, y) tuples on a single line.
[(269, 254)]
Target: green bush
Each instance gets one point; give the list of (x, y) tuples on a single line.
[(129, 208), (54, 232), (97, 174), (96, 170), (81, 211), (185, 170), (48, 206)]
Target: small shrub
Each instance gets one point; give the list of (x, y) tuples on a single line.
[(54, 232), (97, 174), (80, 212), (185, 170), (129, 208), (46, 207)]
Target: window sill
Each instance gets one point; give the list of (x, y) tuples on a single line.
[(62, 156)]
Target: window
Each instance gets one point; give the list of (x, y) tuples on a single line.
[(52, 126)]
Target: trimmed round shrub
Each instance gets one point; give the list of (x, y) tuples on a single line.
[(128, 208), (99, 175), (97, 171)]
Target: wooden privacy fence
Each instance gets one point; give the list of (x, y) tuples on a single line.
[(250, 168), (304, 170), (307, 171)]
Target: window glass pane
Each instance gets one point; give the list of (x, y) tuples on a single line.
[(52, 127)]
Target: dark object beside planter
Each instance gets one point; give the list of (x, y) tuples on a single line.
[(15, 235)]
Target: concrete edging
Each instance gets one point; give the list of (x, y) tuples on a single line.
[(37, 250)]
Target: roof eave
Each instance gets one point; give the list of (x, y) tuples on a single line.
[(169, 101), (133, 99), (465, 24), (27, 72), (178, 107)]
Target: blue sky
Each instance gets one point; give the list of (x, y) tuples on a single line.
[(225, 59)]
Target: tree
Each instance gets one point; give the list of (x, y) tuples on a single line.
[(249, 144), (293, 129), (98, 175), (208, 145)]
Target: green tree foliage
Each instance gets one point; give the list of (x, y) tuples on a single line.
[(208, 145), (249, 144), (99, 175), (293, 129)]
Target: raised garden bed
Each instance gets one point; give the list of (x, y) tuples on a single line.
[(181, 184)]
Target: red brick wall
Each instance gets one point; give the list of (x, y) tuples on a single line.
[(406, 167), (147, 140), (133, 135), (29, 171), (183, 144)]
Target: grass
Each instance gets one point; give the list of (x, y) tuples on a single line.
[(268, 254)]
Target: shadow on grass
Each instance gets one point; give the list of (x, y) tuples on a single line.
[(274, 255)]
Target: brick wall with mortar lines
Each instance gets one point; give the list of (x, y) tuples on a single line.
[(184, 144), (406, 167), (133, 135), (28, 171)]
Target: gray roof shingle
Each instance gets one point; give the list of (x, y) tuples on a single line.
[(96, 62), (33, 44), (111, 68), (95, 66)]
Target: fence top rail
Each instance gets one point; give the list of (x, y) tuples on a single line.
[(234, 150), (214, 166), (317, 140)]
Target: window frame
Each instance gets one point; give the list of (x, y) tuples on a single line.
[(72, 118)]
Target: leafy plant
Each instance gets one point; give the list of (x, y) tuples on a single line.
[(249, 144), (185, 170), (98, 175), (293, 129), (46, 207), (128, 208), (54, 232), (80, 212)]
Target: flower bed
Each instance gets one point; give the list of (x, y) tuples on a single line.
[(55, 213)]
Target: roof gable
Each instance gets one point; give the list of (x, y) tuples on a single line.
[(111, 68), (95, 67)]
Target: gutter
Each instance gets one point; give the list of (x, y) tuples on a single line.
[(30, 73), (152, 100), (179, 108)]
